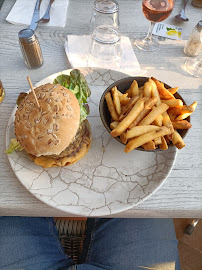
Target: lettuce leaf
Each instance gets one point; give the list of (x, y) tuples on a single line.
[(77, 84), (14, 145)]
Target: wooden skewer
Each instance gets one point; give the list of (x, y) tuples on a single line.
[(31, 86)]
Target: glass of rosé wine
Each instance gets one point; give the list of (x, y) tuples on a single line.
[(154, 11)]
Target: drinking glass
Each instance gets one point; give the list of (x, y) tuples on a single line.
[(194, 67), (105, 48), (105, 12), (154, 11)]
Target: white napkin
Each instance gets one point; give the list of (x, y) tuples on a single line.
[(77, 50), (23, 10)]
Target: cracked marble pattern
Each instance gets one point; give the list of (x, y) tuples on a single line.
[(107, 180)]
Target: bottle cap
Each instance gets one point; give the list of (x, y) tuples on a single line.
[(26, 35)]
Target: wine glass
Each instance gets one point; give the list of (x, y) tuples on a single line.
[(154, 11), (194, 67)]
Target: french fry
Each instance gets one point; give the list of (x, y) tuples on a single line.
[(127, 109), (158, 121), (120, 94), (182, 124), (172, 102), (154, 114), (162, 90), (114, 124), (157, 141), (147, 90), (123, 138), (172, 116), (185, 115), (148, 105), (167, 122), (124, 124), (124, 100), (129, 93), (173, 90), (170, 136), (145, 99), (177, 140), (123, 97), (145, 138), (167, 139), (181, 110), (130, 104), (141, 94), (134, 89), (154, 91), (149, 146), (139, 130), (116, 100), (163, 145), (111, 107)]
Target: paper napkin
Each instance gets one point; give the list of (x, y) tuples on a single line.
[(23, 10), (77, 50), (167, 30)]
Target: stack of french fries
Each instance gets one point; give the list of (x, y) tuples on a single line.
[(148, 116)]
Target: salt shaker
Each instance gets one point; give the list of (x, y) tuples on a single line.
[(194, 43), (30, 48)]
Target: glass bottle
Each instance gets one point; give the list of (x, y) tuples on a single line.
[(194, 43)]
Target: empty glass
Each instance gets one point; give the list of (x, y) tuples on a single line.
[(194, 67), (105, 12), (105, 48)]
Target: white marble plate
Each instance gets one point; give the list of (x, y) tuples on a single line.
[(107, 180)]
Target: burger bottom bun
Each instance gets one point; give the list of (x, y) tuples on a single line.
[(48, 162)]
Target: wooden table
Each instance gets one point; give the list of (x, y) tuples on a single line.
[(181, 195)]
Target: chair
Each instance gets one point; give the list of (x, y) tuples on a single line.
[(71, 234)]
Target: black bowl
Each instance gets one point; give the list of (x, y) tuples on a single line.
[(123, 85)]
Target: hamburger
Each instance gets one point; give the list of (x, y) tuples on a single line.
[(56, 133)]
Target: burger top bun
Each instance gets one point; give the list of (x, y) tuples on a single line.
[(47, 130)]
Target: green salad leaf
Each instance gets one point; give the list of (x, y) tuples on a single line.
[(14, 145), (77, 84)]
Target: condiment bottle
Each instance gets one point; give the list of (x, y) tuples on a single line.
[(30, 48), (194, 43)]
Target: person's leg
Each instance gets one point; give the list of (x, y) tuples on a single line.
[(30, 244), (130, 244)]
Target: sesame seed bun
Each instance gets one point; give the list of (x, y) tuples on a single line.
[(50, 129), (73, 153)]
